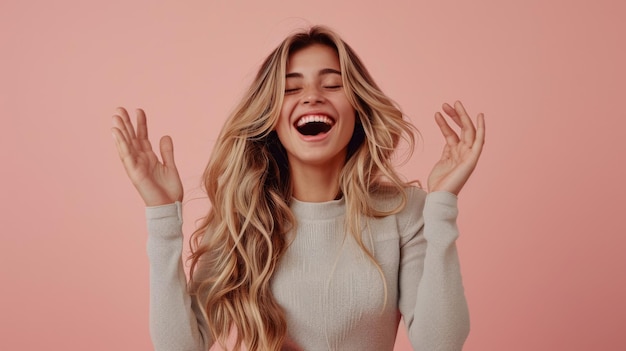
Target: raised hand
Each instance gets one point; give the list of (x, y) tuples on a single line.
[(158, 182), (461, 152)]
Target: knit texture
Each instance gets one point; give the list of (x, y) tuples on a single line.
[(332, 294)]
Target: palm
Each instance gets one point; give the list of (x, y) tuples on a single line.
[(158, 182), (461, 152)]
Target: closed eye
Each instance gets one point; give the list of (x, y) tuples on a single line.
[(291, 91), (333, 86)]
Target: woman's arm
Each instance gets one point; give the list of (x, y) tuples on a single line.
[(432, 300), (173, 323)]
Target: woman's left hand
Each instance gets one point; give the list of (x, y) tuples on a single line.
[(461, 152)]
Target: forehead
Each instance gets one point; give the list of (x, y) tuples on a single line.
[(313, 57)]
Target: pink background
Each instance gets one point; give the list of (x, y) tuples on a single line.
[(542, 220)]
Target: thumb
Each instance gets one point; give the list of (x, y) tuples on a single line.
[(167, 152)]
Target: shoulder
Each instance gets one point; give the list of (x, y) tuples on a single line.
[(388, 198), (406, 206)]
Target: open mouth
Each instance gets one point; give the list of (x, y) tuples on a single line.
[(314, 125)]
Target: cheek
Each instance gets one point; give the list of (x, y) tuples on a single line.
[(281, 130), (348, 110), (344, 106), (285, 110), (283, 126), (283, 117)]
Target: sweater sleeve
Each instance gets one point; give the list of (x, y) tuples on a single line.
[(432, 300), (173, 324)]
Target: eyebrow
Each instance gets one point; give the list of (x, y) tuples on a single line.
[(321, 73)]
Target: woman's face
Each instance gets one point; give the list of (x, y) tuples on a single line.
[(316, 120)]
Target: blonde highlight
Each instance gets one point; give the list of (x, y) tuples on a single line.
[(240, 242)]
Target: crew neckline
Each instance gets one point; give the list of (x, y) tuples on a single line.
[(318, 210)]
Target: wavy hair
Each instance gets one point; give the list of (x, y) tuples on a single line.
[(240, 242)]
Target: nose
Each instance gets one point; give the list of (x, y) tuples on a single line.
[(312, 95)]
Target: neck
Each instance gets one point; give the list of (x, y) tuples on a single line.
[(314, 183)]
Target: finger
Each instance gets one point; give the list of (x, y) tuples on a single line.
[(451, 112), (118, 123), (142, 130), (480, 134), (142, 126), (468, 131), (130, 129), (451, 137), (123, 114), (120, 142), (167, 152)]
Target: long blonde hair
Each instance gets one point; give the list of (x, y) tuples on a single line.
[(241, 240)]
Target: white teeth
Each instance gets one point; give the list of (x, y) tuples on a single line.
[(314, 118)]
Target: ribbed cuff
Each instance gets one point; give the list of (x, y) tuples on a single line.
[(164, 211)]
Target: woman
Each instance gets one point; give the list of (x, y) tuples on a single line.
[(313, 241)]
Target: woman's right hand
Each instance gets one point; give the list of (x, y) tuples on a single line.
[(158, 182)]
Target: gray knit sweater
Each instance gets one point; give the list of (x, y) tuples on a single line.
[(332, 295)]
